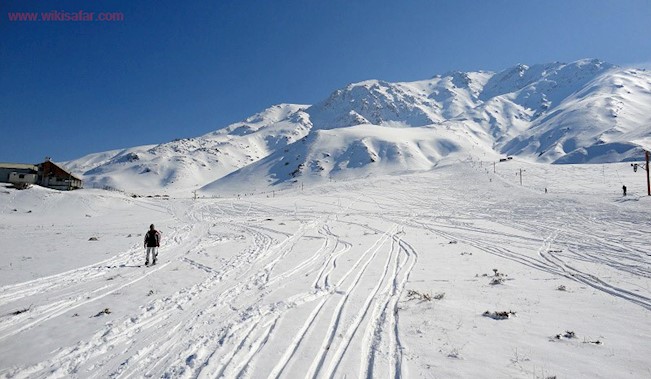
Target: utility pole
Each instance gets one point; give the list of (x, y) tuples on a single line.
[(646, 168), (521, 175), (648, 180), (494, 168)]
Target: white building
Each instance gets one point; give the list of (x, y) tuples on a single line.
[(17, 173)]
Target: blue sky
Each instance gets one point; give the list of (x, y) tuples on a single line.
[(175, 69)]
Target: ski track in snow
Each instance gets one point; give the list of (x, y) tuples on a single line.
[(552, 261), (309, 301), (228, 350)]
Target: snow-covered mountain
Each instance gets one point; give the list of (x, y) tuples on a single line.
[(353, 152), (587, 111), (189, 163)]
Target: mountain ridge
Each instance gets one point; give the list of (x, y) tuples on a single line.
[(587, 111)]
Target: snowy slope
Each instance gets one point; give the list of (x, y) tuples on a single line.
[(354, 152), (586, 111), (186, 164), (595, 124), (388, 276), (408, 104)]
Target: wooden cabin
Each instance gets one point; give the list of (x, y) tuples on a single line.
[(52, 176)]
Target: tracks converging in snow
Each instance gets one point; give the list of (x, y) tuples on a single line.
[(313, 287), (221, 323)]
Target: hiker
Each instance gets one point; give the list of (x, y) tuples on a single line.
[(624, 189), (152, 243)]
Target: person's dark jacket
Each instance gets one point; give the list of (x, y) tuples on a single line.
[(152, 238)]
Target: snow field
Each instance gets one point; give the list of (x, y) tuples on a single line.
[(320, 283)]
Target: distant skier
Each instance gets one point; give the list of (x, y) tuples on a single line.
[(152, 243), (624, 190)]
